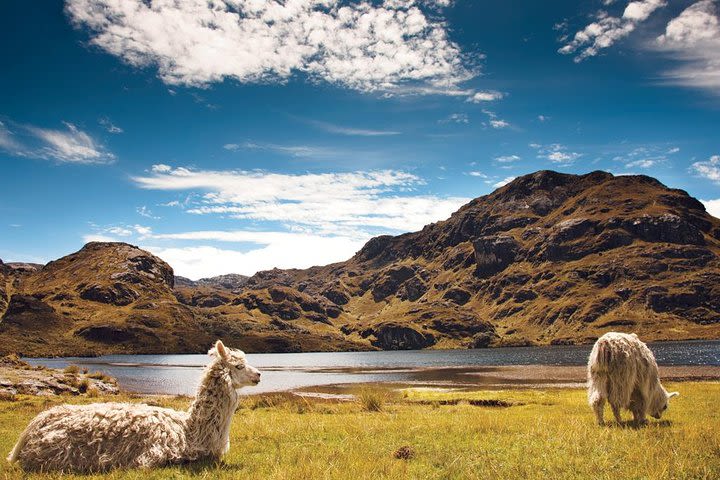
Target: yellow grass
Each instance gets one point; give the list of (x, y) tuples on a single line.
[(545, 434)]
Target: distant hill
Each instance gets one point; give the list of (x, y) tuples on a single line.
[(549, 258)]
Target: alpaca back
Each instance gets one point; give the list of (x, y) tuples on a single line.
[(98, 437)]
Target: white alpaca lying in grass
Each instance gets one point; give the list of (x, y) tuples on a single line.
[(102, 436)]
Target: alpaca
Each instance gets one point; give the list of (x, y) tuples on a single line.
[(103, 436), (623, 371)]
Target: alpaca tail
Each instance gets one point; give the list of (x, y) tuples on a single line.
[(13, 456)]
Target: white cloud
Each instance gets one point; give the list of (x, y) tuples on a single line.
[(693, 40), (709, 169), (477, 174), (606, 29), (673, 150), (503, 182), (485, 96), (543, 118), (507, 158), (712, 207), (556, 153), (366, 46), (326, 203), (70, 145), (497, 123)]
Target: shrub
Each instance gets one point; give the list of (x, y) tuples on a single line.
[(72, 369), (372, 400)]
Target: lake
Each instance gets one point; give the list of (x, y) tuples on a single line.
[(180, 374)]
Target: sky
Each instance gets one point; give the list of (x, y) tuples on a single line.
[(231, 136)]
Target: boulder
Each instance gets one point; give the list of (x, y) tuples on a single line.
[(667, 228)]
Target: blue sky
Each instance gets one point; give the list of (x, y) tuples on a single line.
[(246, 134)]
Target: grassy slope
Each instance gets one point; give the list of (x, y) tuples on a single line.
[(551, 435)]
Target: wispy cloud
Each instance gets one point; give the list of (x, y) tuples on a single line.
[(608, 29), (68, 145), (507, 158), (499, 123), (476, 173), (293, 150), (352, 131), (327, 203), (144, 211), (461, 118), (368, 47), (109, 125)]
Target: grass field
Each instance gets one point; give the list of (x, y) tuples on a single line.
[(439, 435)]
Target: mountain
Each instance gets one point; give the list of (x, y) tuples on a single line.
[(549, 258)]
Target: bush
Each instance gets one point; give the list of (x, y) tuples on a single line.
[(72, 369), (372, 400)]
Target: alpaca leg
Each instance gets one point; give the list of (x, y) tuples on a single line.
[(598, 405), (639, 417), (616, 412)]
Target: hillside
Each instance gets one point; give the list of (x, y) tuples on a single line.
[(549, 258)]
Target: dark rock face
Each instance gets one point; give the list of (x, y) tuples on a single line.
[(413, 289), (396, 337), (665, 228), (390, 281), (28, 312), (107, 334), (374, 247), (116, 294), (337, 296), (493, 254)]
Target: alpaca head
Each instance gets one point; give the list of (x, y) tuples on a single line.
[(241, 374)]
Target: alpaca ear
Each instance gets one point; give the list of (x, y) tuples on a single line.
[(220, 349), (673, 394)]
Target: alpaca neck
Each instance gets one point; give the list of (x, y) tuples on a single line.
[(209, 416)]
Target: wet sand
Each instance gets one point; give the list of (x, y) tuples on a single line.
[(503, 377)]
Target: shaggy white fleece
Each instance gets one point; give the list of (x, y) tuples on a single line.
[(103, 436), (622, 370)]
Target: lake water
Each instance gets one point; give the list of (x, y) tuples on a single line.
[(180, 374)]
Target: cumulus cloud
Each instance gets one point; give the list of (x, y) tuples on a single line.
[(709, 169), (476, 173), (693, 40), (606, 30), (68, 145), (327, 203), (365, 46)]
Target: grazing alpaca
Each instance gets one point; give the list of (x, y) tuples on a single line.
[(102, 436), (623, 371)]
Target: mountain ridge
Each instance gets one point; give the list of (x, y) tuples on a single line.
[(549, 258)]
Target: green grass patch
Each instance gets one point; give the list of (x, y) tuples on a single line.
[(438, 435)]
